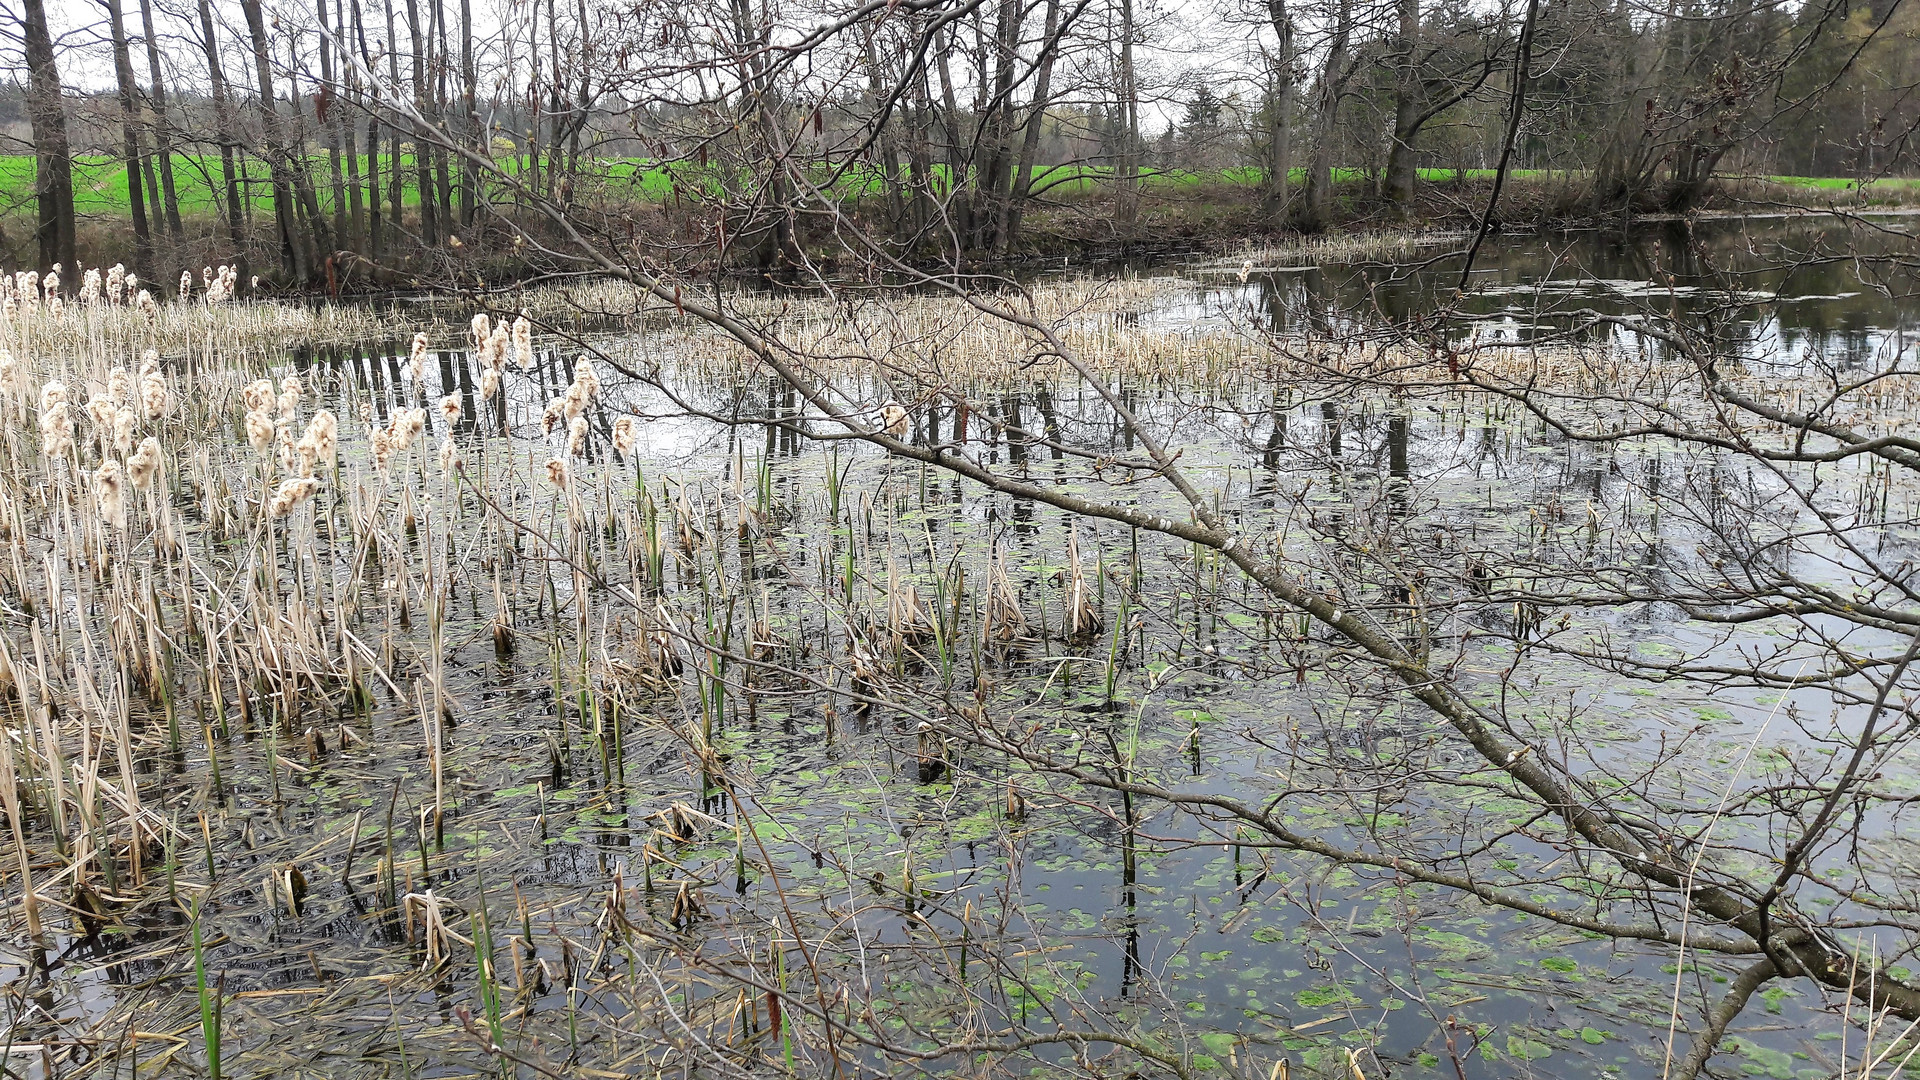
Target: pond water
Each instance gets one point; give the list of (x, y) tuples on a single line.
[(688, 816)]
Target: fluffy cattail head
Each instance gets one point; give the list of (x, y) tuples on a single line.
[(489, 384), (144, 465), (417, 358), (557, 473), (259, 395), (259, 430), (123, 421), (625, 435), (482, 329), (291, 494), (577, 436), (111, 492), (450, 459), (324, 430), (450, 408), (186, 285), (523, 343)]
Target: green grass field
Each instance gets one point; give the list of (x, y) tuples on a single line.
[(100, 183)]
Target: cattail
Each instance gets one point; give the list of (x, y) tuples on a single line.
[(324, 430), (51, 283), (557, 473), (406, 427), (144, 465), (450, 458), (550, 419), (116, 283), (523, 343), (155, 399), (120, 386), (417, 359), (498, 346), (382, 446), (289, 398), (259, 396), (291, 494), (90, 287), (585, 376), (625, 435), (489, 384), (144, 301), (56, 307), (56, 427), (111, 493), (260, 429), (894, 419), (450, 408), (186, 285), (101, 410), (577, 436), (123, 421), (9, 371), (482, 330), (575, 401)]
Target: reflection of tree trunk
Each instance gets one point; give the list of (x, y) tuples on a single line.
[(162, 125), (130, 136), (53, 167), (223, 128)]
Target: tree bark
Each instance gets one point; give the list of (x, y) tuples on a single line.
[(162, 123), (130, 142), (53, 166), (293, 255), (1280, 114), (223, 127), (422, 158)]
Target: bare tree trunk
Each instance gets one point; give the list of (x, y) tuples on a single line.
[(376, 226), (1398, 181), (396, 185), (469, 80), (1022, 185), (162, 124), (223, 128), (443, 182), (328, 110), (130, 138), (292, 248), (1318, 212), (1127, 205), (422, 158), (53, 166)]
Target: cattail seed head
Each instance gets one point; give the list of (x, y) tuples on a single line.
[(291, 494), (259, 429), (450, 408), (111, 492), (557, 473), (489, 384), (417, 359), (523, 343), (625, 435), (577, 436), (144, 464), (123, 422), (450, 459)]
